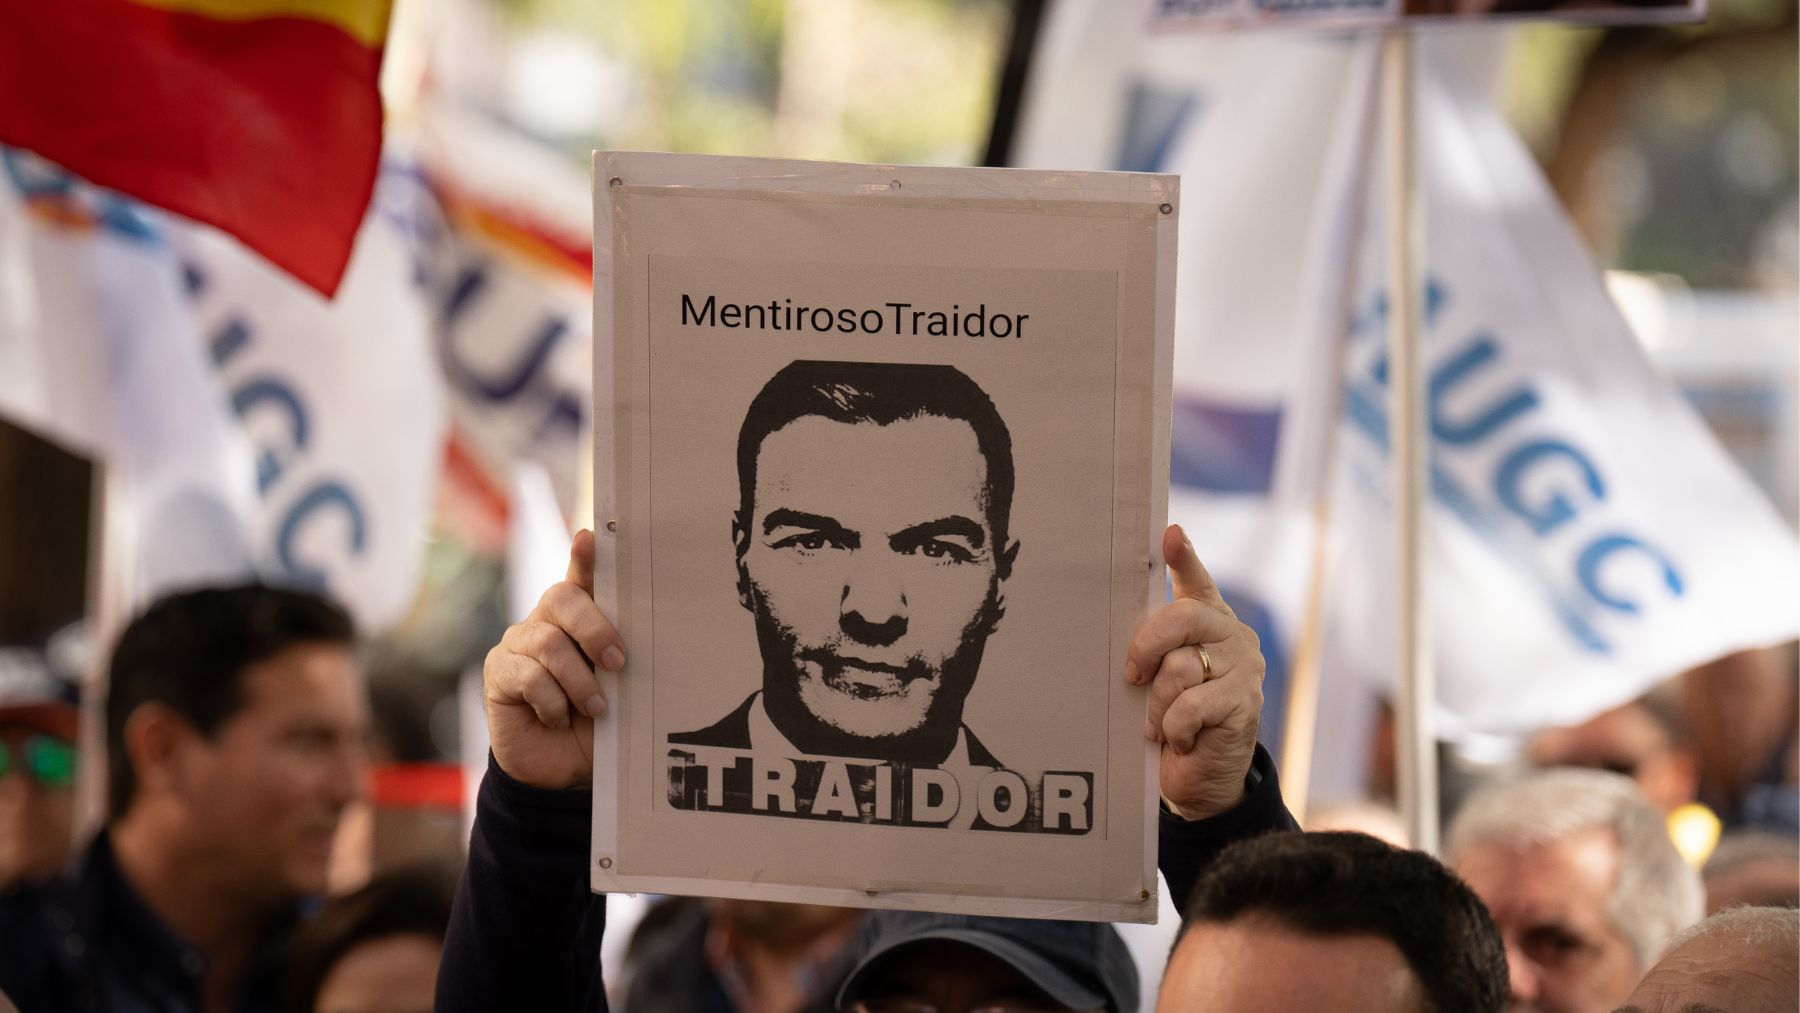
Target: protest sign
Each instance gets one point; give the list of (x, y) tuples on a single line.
[(881, 470)]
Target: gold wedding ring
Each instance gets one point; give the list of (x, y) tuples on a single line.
[(1205, 661)]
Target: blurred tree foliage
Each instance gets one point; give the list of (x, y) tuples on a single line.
[(862, 80), (1674, 148)]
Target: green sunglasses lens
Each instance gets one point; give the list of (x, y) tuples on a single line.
[(51, 761)]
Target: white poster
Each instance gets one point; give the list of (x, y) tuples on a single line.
[(882, 458)]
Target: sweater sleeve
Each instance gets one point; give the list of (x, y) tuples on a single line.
[(1186, 847), (525, 929)]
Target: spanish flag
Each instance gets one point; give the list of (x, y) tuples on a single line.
[(260, 117)]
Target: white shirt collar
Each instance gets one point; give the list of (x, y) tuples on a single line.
[(766, 738)]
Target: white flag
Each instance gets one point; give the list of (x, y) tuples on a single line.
[(341, 400), (514, 310), (1588, 536), (99, 351)]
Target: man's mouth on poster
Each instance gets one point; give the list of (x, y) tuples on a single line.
[(866, 678), (865, 696)]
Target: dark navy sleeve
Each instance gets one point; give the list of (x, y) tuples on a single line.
[(1186, 847), (525, 929)]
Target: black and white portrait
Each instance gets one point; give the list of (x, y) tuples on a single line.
[(873, 548), (885, 475)]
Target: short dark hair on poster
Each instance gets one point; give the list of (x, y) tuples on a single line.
[(188, 651), (1343, 884), (882, 393)]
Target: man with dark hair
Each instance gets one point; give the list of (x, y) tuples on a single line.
[(235, 725), (872, 538), (1337, 921)]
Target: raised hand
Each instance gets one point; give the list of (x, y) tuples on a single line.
[(538, 683), (1205, 671)]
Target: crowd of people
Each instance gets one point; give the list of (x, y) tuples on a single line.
[(236, 724)]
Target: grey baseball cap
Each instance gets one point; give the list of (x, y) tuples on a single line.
[(1080, 965), (34, 692)]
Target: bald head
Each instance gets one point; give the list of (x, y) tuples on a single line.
[(1745, 960)]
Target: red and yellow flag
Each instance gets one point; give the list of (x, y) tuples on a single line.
[(260, 117)]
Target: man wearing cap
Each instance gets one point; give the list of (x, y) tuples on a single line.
[(910, 960), (37, 766), (525, 933)]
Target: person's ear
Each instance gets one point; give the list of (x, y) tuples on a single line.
[(740, 541), (161, 745)]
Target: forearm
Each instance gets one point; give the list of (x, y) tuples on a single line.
[(1185, 848), (525, 930)]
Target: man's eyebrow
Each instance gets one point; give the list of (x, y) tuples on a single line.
[(955, 524), (782, 517)]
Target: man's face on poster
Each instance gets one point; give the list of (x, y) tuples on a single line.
[(869, 561)]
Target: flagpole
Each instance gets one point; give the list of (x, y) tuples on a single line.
[(104, 621), (1301, 718), (1416, 743)]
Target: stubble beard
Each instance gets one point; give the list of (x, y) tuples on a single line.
[(788, 684)]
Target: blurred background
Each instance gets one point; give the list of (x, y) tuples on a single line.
[(1673, 150)]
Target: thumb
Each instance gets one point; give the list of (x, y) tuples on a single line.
[(581, 561), (1189, 577)]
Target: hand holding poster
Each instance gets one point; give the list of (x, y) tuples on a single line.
[(882, 464)]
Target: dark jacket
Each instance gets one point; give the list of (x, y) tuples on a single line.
[(86, 941), (525, 933)]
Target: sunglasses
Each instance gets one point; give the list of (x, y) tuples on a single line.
[(46, 759)]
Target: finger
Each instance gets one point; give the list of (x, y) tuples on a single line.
[(540, 690), (573, 610), (1179, 669), (1180, 622), (581, 561), (1182, 669), (503, 674), (1186, 572), (552, 649), (1233, 705)]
